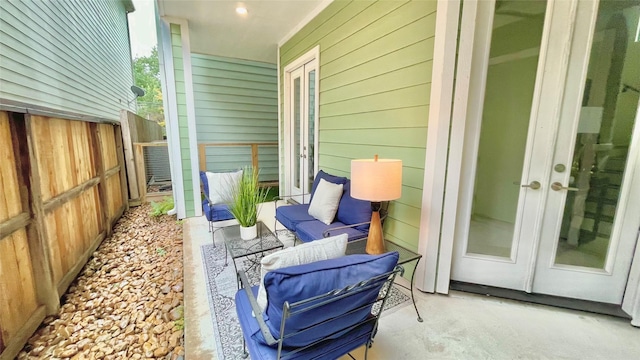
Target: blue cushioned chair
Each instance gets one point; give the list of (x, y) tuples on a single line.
[(321, 310), (213, 212)]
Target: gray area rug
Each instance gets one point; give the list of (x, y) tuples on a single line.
[(222, 287)]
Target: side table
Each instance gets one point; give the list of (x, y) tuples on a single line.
[(406, 256)]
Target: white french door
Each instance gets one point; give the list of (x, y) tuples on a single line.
[(301, 121), (550, 148)]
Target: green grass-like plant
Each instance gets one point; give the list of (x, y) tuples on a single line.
[(162, 207), (246, 195)]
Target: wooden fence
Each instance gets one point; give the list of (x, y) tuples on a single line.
[(64, 187), (270, 179), (142, 159)]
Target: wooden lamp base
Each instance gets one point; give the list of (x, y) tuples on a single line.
[(375, 240)]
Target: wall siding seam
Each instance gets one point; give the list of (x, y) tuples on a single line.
[(373, 40), (111, 88), (88, 73), (54, 83), (341, 72), (380, 93), (364, 27), (233, 61), (83, 34)]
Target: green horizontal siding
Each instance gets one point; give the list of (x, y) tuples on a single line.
[(236, 101), (66, 55), (375, 84)]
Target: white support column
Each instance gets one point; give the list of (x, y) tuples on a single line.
[(167, 81), (444, 55)]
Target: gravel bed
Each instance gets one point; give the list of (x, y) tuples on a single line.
[(127, 302)]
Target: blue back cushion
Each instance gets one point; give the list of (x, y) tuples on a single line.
[(301, 282), (353, 211), (205, 182), (327, 177)]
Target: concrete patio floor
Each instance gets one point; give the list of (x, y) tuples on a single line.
[(456, 326)]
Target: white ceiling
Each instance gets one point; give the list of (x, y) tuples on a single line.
[(216, 29)]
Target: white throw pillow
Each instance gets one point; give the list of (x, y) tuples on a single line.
[(221, 185), (323, 249), (326, 199)]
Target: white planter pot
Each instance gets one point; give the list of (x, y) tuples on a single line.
[(248, 233)]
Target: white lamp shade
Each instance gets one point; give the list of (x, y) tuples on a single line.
[(376, 179)]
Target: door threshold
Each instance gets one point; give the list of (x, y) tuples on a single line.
[(556, 301)]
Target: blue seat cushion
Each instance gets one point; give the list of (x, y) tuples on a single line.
[(313, 230), (292, 284), (324, 350), (327, 177), (217, 212), (353, 211), (291, 215)]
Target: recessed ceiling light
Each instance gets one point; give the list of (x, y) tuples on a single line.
[(241, 10)]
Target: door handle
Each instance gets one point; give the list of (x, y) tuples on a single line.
[(556, 186), (534, 185)]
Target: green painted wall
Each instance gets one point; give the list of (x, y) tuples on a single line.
[(375, 83), (236, 101), (66, 55), (178, 65)]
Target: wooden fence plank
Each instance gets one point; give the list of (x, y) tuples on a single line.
[(127, 145), (98, 134), (140, 171), (39, 239), (202, 157), (16, 278), (121, 168), (10, 203)]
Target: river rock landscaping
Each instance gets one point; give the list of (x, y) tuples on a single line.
[(127, 302)]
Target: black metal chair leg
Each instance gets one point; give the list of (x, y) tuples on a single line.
[(245, 354), (412, 298)]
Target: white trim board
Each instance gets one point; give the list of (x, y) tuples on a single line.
[(313, 54), (191, 116), (280, 127), (444, 54)]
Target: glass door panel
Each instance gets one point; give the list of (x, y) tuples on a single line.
[(508, 96), (297, 142), (311, 116), (301, 146), (602, 141)]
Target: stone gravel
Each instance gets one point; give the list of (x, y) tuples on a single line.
[(127, 302)]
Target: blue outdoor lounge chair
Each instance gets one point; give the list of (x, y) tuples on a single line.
[(321, 310)]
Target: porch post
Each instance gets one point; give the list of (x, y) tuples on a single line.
[(444, 55)]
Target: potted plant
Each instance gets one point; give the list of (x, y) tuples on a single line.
[(246, 196)]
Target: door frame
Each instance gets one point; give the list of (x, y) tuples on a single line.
[(311, 55), (440, 237)]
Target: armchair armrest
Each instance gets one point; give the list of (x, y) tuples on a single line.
[(256, 309), (327, 232), (284, 197)]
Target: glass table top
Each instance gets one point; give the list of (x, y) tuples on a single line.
[(237, 247)]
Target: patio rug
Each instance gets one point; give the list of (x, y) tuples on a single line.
[(222, 286)]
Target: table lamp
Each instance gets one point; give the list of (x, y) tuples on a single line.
[(376, 180)]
